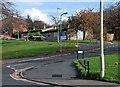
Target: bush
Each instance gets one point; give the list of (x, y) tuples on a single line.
[(15, 35), (81, 73), (30, 36), (38, 33)]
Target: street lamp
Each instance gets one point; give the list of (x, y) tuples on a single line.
[(61, 30), (58, 25)]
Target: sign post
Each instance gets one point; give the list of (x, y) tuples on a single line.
[(80, 52)]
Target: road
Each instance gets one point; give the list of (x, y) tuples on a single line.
[(55, 68)]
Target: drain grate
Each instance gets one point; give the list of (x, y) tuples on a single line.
[(57, 75)]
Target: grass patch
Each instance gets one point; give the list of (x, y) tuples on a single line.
[(83, 41), (15, 49), (116, 42), (112, 66)]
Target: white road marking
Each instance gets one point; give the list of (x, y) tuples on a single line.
[(19, 64), (8, 66), (16, 77), (13, 68), (13, 77), (16, 70), (43, 58)]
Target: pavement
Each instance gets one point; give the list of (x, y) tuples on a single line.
[(54, 70)]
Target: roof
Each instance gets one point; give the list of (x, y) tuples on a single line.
[(47, 30)]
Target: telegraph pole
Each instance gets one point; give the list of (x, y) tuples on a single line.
[(102, 65)]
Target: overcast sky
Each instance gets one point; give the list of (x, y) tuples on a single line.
[(44, 10)]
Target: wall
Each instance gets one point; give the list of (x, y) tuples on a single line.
[(73, 36)]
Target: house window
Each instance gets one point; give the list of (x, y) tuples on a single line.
[(55, 34), (63, 33)]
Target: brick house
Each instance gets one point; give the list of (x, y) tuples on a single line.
[(14, 25)]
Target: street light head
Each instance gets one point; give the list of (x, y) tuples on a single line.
[(58, 8), (64, 13)]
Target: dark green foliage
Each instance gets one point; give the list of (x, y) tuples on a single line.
[(15, 35), (38, 33)]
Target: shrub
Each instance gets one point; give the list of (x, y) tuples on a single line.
[(38, 33), (15, 35)]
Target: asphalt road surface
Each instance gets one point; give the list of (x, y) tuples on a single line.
[(56, 68)]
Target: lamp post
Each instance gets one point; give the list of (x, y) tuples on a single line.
[(102, 65), (61, 30), (58, 25)]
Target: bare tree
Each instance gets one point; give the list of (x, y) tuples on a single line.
[(112, 22), (7, 13), (56, 25)]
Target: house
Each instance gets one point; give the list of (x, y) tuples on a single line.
[(71, 34), (51, 34), (67, 34)]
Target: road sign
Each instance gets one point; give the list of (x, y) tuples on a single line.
[(80, 52)]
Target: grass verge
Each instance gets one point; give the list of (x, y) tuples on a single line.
[(16, 49), (82, 41), (112, 68)]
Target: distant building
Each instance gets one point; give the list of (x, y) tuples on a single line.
[(51, 34), (14, 25)]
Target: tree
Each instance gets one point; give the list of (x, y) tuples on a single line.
[(38, 33), (112, 21), (56, 25), (8, 14), (75, 23), (86, 21), (30, 23), (39, 24), (7, 8)]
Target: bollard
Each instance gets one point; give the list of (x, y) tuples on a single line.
[(87, 66)]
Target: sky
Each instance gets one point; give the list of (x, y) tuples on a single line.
[(43, 10)]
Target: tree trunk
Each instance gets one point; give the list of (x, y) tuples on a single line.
[(58, 36), (83, 35), (76, 37), (18, 35), (27, 35)]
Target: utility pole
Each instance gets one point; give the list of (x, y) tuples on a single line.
[(102, 65)]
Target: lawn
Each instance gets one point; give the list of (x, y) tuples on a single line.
[(82, 41), (112, 67), (14, 49)]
